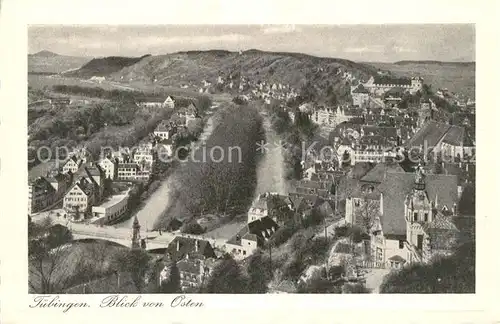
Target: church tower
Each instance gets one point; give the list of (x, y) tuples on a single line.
[(418, 210), (136, 234)]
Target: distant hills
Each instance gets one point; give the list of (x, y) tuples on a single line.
[(44, 54), (436, 63), (47, 62), (104, 66), (294, 69)]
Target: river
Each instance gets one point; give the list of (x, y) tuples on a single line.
[(271, 171), (159, 200)]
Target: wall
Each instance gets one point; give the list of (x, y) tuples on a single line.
[(392, 249)]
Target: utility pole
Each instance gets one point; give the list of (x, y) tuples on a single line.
[(326, 240)]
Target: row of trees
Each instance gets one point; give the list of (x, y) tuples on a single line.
[(221, 182)]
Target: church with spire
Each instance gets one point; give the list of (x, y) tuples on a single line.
[(429, 230), (413, 214)]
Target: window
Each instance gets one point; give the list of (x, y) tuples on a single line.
[(415, 216), (401, 244), (426, 217)]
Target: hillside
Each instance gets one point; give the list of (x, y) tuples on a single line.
[(287, 68), (104, 66), (49, 62), (456, 77), (436, 63)]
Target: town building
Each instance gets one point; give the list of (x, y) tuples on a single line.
[(268, 204), (181, 246), (40, 195), (72, 165), (80, 197), (380, 84), (110, 167), (60, 182), (169, 102), (127, 171), (165, 130), (360, 95), (436, 137), (252, 236), (395, 204), (111, 209), (143, 156), (194, 273)]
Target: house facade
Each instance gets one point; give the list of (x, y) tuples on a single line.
[(110, 168), (127, 171), (80, 197), (40, 195), (72, 165)]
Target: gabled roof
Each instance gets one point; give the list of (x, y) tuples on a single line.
[(191, 266), (442, 232), (432, 132), (187, 245), (263, 228), (42, 184), (398, 185), (84, 185), (454, 136), (360, 89), (377, 174), (397, 258)]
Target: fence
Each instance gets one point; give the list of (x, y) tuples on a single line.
[(373, 264)]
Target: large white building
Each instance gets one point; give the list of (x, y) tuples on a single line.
[(113, 208)]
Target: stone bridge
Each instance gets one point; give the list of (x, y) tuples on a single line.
[(123, 236)]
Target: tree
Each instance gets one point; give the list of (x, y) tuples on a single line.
[(173, 283), (48, 258), (259, 273), (366, 214), (136, 263), (355, 288), (452, 274), (192, 228), (78, 214), (226, 278)]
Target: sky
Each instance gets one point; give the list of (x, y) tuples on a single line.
[(370, 43)]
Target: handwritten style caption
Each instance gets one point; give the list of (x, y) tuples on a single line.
[(113, 301)]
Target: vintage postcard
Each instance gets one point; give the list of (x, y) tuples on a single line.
[(168, 164)]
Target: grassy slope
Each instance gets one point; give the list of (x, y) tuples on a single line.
[(286, 68), (458, 78), (104, 66)]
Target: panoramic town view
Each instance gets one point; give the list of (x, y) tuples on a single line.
[(251, 159)]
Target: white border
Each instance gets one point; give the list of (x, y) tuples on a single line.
[(16, 14)]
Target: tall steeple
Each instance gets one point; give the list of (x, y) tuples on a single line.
[(419, 178), (136, 234)]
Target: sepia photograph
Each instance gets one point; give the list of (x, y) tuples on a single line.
[(251, 159)]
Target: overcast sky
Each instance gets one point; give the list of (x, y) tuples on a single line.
[(381, 43)]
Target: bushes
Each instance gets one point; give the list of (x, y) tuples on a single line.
[(192, 228), (453, 274), (283, 234)]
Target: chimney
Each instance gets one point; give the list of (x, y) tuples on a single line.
[(454, 209), (178, 245), (196, 245)]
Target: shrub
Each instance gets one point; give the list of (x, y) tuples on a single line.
[(192, 228)]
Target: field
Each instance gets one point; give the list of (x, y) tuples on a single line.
[(457, 78)]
